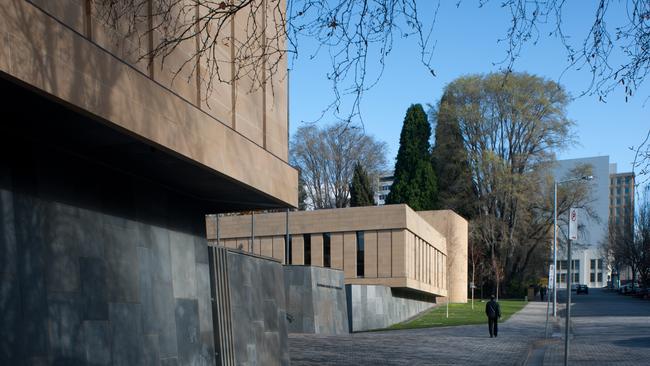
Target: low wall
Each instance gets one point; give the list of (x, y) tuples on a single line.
[(316, 300), (259, 325), (376, 307)]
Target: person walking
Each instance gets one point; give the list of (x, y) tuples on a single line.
[(493, 312)]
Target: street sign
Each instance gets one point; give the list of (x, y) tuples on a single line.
[(573, 224)]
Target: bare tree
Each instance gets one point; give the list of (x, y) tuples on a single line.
[(630, 246), (326, 157)]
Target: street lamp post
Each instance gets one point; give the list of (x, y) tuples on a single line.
[(555, 184)]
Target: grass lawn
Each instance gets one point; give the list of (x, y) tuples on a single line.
[(459, 314)]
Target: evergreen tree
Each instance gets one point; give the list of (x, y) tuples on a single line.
[(449, 157), (415, 180), (361, 192)]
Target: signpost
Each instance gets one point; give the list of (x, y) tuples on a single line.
[(573, 235)]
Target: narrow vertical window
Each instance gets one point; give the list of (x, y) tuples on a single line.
[(360, 254), (307, 251), (326, 250), (289, 250)]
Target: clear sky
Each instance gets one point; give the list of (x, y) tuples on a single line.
[(466, 43)]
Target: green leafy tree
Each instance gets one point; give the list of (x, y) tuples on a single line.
[(415, 181), (450, 162), (361, 192)]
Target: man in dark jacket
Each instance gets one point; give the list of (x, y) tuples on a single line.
[(493, 312)]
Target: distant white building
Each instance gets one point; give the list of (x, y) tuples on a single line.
[(588, 264), (382, 188)]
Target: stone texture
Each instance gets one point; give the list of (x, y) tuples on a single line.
[(315, 300), (377, 307), (258, 310), (83, 283)]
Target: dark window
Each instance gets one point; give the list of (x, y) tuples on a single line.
[(576, 278), (360, 253), (592, 277), (600, 276), (575, 264), (593, 266), (289, 249), (600, 264), (307, 240), (326, 250)]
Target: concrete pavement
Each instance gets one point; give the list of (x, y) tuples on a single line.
[(607, 329), (462, 345)]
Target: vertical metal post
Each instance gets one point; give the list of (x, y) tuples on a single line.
[(568, 305), (252, 231), (286, 240), (555, 281)]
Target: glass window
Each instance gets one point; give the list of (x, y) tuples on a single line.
[(600, 276), (619, 180), (327, 250), (627, 189), (360, 253), (618, 190), (627, 179), (592, 266), (289, 249), (618, 200), (575, 264), (576, 277), (600, 264), (592, 277), (307, 252)]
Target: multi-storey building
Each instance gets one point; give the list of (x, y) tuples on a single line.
[(587, 264), (621, 199), (621, 212), (108, 164), (382, 188)]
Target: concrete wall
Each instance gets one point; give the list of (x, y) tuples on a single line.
[(244, 138), (376, 307), (316, 300), (258, 310), (455, 230), (98, 267), (401, 249)]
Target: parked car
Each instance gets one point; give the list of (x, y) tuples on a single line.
[(574, 286), (582, 289), (629, 288)]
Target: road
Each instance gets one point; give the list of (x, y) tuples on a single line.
[(607, 329)]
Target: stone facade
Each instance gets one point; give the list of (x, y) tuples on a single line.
[(258, 309), (315, 300), (98, 271), (391, 245), (377, 307)]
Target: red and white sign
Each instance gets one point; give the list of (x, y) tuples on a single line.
[(573, 224)]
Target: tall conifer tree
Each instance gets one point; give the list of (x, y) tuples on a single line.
[(361, 192), (449, 157), (415, 181)]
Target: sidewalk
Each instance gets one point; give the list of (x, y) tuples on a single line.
[(461, 345)]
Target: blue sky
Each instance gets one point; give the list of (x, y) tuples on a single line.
[(466, 43)]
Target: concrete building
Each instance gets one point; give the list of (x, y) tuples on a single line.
[(108, 165), (587, 256), (382, 188), (417, 255), (621, 212)]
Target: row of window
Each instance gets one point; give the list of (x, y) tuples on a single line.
[(619, 180), (594, 264), (327, 251), (593, 277)]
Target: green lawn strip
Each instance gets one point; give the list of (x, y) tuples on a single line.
[(459, 314)]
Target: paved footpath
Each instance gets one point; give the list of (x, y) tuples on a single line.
[(607, 329), (461, 345)]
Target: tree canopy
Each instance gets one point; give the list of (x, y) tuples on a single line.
[(415, 181), (511, 125), (361, 189)]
